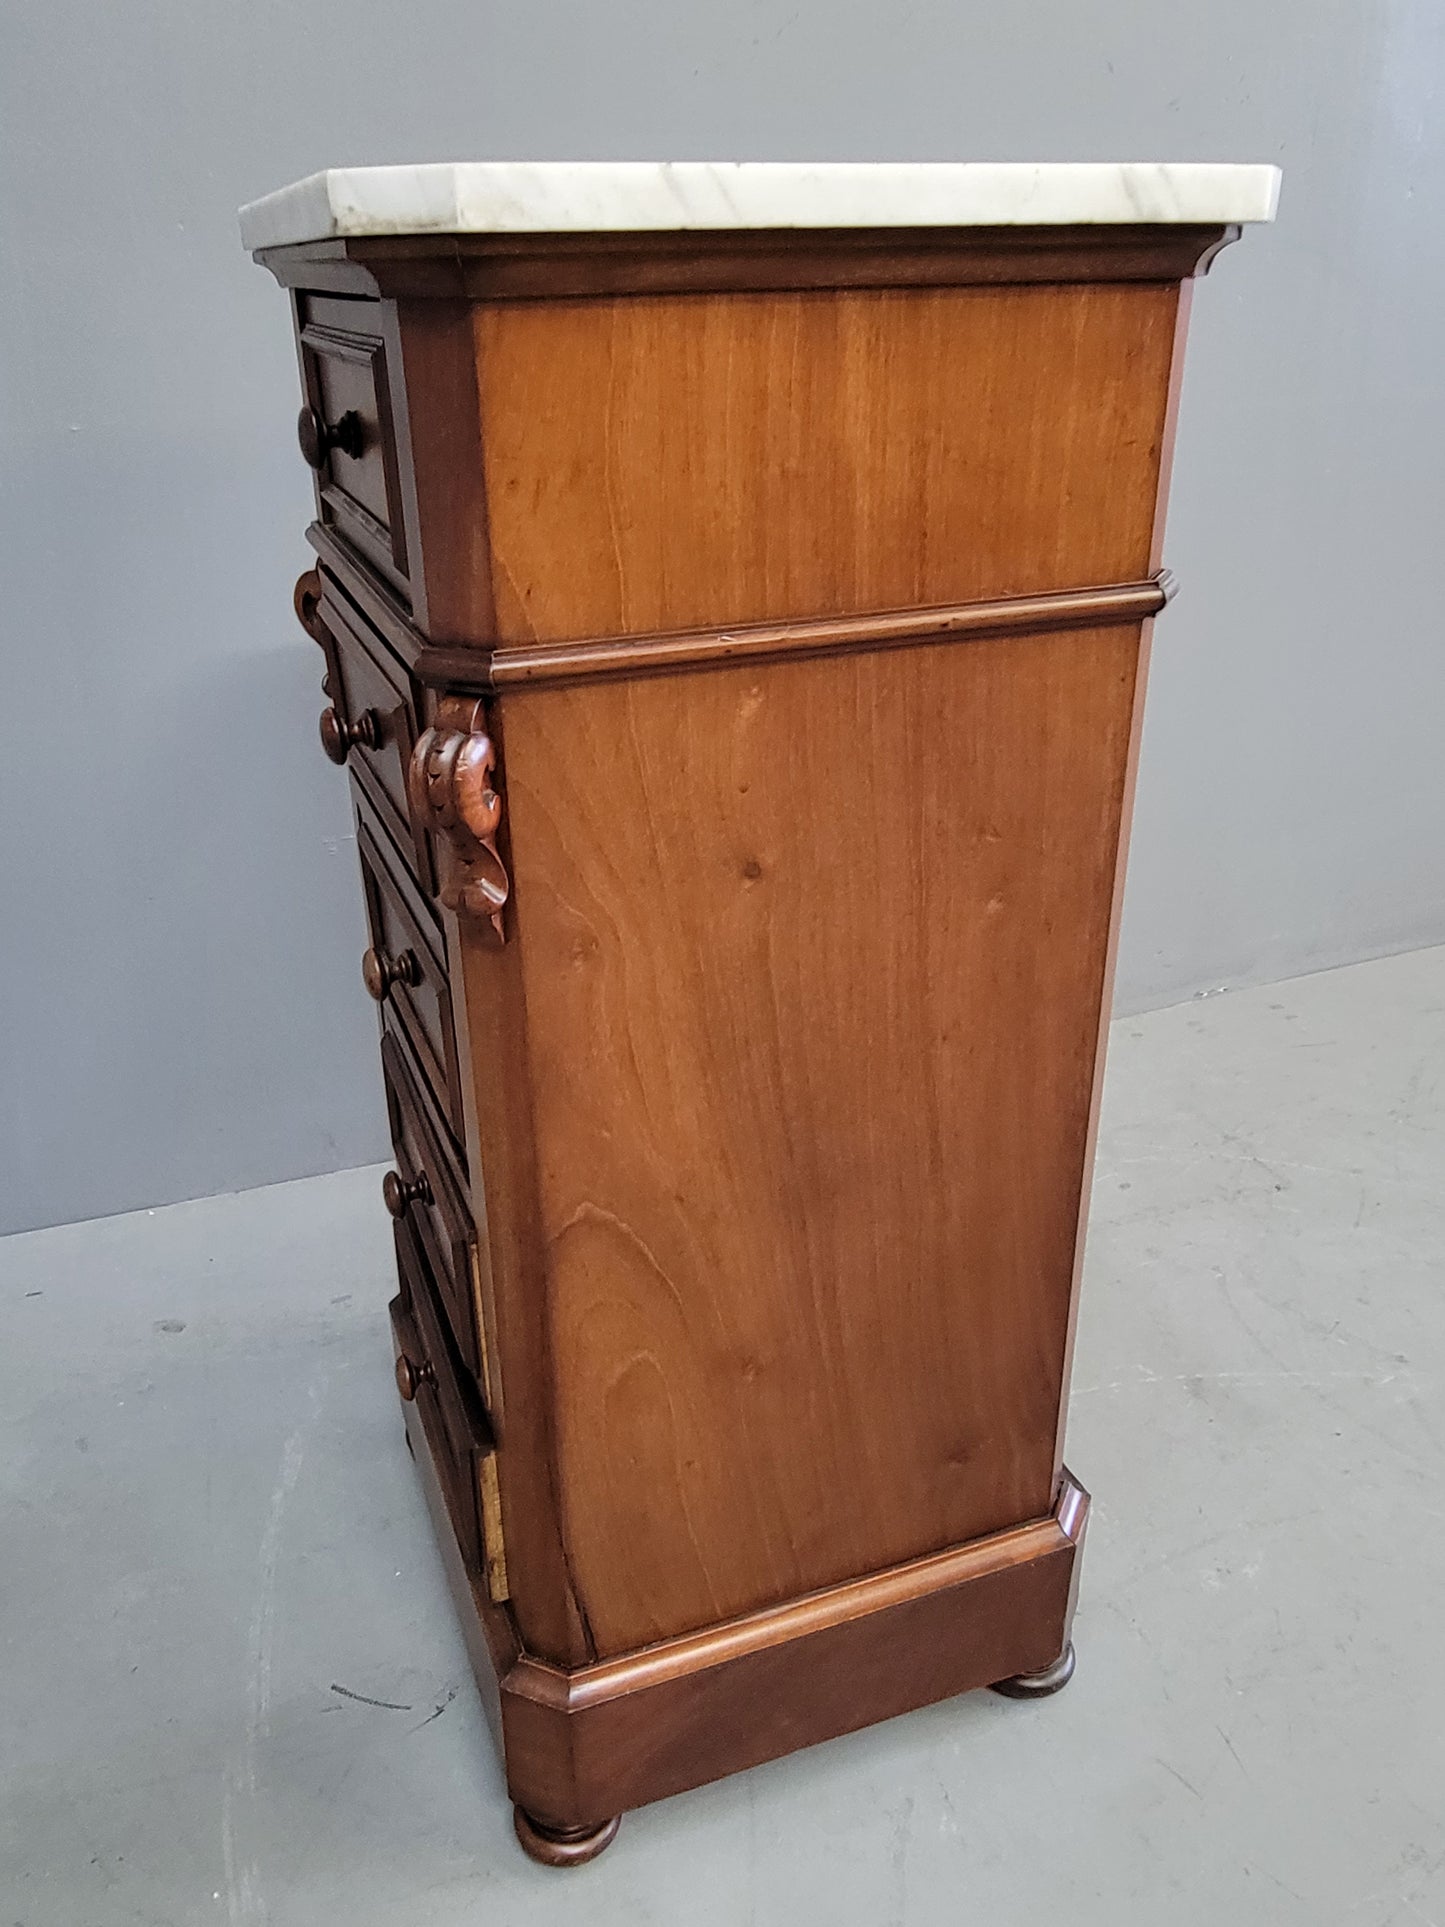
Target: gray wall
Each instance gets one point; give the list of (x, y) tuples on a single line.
[(180, 911)]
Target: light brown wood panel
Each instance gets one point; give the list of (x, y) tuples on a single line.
[(812, 957), (663, 462)]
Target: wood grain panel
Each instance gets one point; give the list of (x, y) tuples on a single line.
[(812, 958), (667, 462)]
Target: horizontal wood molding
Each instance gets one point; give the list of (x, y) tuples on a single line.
[(503, 267), (517, 665), (483, 671), (372, 597), (857, 1599), (605, 1737)]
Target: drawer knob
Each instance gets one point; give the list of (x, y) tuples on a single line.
[(379, 972), (410, 1377), (318, 438), (399, 1194), (339, 737)]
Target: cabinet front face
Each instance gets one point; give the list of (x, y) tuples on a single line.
[(666, 462), (813, 955)]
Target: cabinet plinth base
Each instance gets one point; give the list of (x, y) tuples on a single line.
[(584, 1746), (563, 1846), (1038, 1686)]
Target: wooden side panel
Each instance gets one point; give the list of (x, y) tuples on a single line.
[(811, 959), (662, 462)]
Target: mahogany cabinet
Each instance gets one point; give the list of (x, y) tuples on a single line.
[(734, 587)]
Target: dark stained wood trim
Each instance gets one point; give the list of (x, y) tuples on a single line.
[(516, 666), (586, 1744), (319, 267), (489, 1004), (363, 333), (373, 598), (509, 267), (452, 582), (361, 345), (488, 1629)]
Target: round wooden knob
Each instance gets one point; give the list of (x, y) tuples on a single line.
[(399, 1194), (379, 972), (339, 737), (318, 438), (410, 1377)]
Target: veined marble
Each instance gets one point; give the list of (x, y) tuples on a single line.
[(538, 197)]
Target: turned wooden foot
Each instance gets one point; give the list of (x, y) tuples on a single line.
[(563, 1846), (1037, 1686)]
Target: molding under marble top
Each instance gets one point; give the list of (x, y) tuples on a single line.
[(571, 197)]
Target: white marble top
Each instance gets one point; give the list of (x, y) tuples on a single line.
[(570, 197)]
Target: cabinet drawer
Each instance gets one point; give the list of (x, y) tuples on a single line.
[(428, 1191), (347, 430), (427, 1373), (405, 969), (372, 723)]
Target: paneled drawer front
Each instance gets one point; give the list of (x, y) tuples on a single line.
[(428, 1191), (346, 427), (372, 723), (426, 1372), (462, 1438), (405, 969)]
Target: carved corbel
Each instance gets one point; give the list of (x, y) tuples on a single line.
[(451, 782), (306, 600)]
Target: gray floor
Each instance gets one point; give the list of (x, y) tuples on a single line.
[(210, 1529)]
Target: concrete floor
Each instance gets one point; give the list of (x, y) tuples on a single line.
[(215, 1558)]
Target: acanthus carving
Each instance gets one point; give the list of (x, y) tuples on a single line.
[(451, 782)]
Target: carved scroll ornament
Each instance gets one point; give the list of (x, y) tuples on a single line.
[(453, 793)]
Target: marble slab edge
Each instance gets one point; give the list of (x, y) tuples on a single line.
[(580, 197)]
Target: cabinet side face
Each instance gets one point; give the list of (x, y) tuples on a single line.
[(811, 956), (664, 462)]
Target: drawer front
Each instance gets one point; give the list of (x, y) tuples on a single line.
[(373, 721), (427, 1373), (347, 430), (405, 969), (429, 1192)]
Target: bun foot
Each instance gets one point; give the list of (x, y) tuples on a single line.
[(563, 1846), (1037, 1686)]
